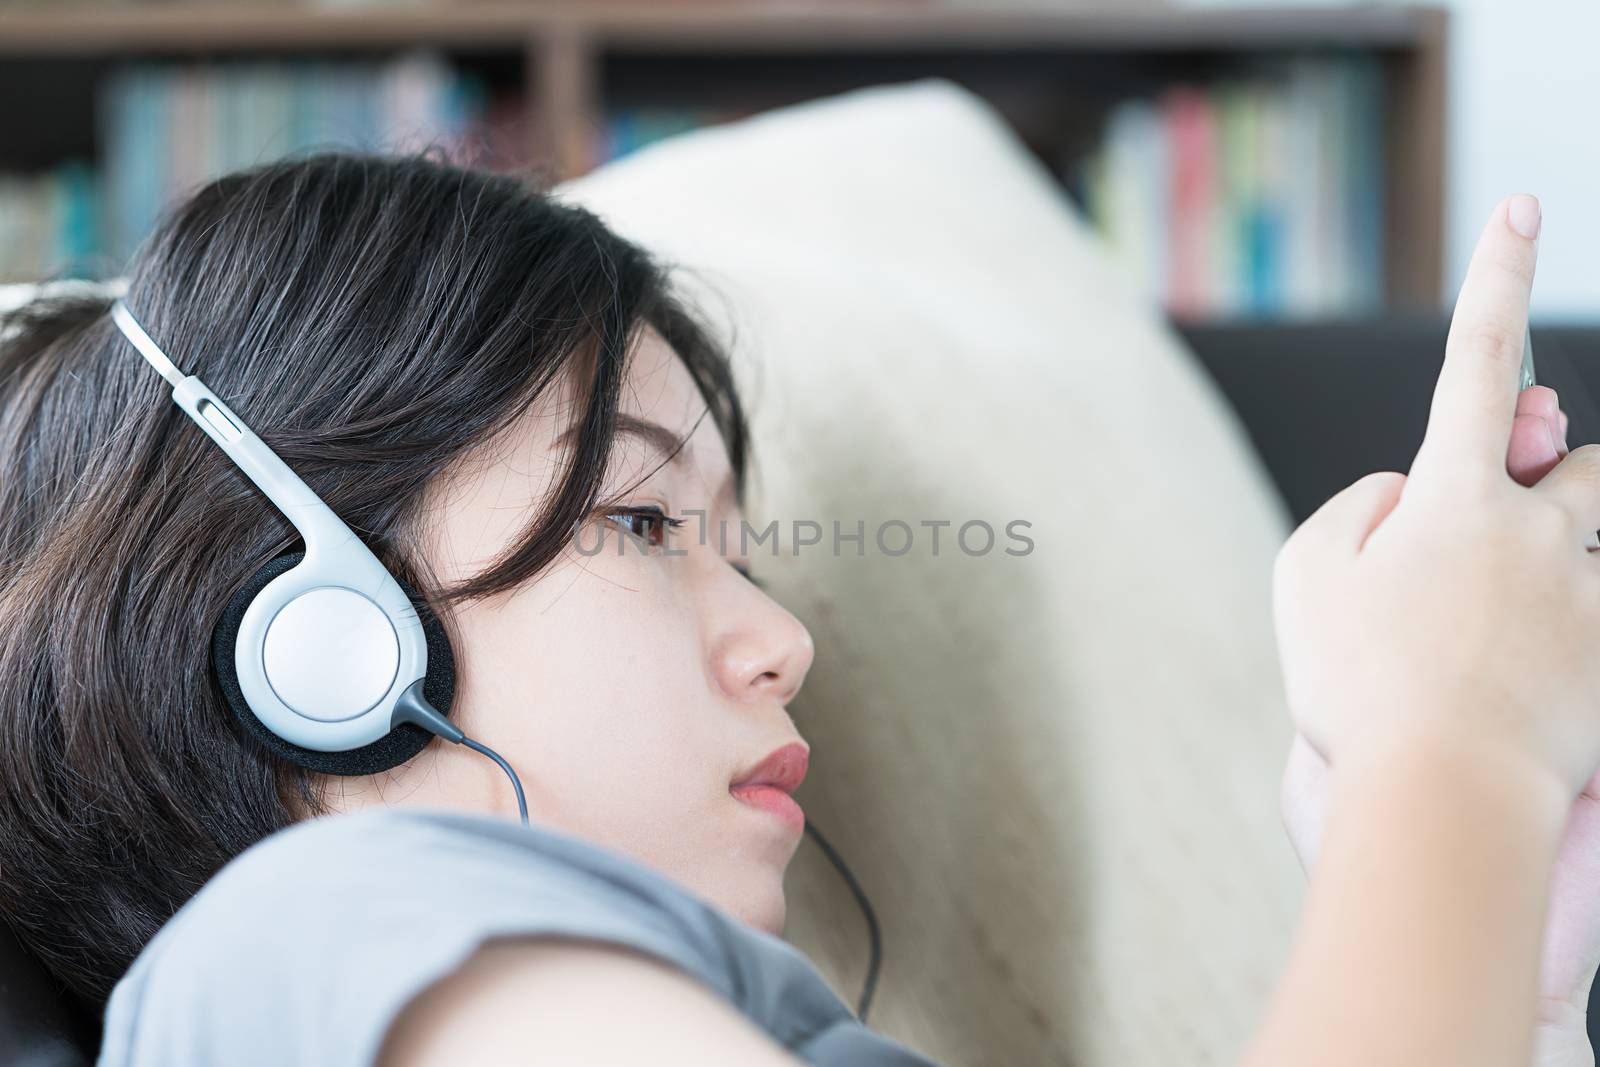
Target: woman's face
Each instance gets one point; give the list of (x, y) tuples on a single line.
[(629, 689)]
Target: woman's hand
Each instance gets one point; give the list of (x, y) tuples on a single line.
[(1571, 952), (1436, 633), (1455, 609)]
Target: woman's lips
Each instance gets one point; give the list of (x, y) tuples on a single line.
[(771, 798), (768, 784)]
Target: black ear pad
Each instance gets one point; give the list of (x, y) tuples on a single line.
[(390, 750)]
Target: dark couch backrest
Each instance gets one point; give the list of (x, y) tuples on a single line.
[(39, 1026)]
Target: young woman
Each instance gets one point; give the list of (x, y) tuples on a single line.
[(508, 405)]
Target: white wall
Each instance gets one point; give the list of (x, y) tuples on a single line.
[(1525, 117)]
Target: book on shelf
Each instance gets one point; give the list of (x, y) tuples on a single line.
[(48, 218), (1260, 195), (164, 129), (627, 129)]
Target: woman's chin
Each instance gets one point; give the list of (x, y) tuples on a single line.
[(761, 904), (771, 914)]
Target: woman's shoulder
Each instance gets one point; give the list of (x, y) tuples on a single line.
[(340, 920), (307, 946), (393, 870)]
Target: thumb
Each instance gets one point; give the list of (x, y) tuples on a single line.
[(1335, 531), (1347, 519)]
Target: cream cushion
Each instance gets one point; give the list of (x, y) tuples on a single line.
[(1056, 774)]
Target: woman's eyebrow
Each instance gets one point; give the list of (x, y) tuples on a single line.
[(672, 448)]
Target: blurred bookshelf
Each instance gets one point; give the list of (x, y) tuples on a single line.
[(1278, 162)]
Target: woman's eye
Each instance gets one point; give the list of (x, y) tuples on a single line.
[(648, 525)]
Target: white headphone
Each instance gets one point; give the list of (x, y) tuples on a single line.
[(324, 655)]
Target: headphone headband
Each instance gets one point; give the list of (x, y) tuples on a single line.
[(323, 532)]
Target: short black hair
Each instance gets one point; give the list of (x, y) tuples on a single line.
[(375, 318)]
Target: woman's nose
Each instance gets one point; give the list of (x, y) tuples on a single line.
[(766, 658)]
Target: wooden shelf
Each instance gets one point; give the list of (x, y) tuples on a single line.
[(901, 26), (566, 51), (897, 28)]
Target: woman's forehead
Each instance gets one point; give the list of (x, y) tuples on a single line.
[(662, 425), (658, 387)]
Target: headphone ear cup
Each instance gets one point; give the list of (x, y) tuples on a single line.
[(389, 751)]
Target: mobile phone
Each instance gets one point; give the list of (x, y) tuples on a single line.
[(1527, 360)]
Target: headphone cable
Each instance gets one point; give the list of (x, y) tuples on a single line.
[(874, 934), (516, 783), (415, 708)]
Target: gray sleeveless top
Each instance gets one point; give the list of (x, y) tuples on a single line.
[(306, 947)]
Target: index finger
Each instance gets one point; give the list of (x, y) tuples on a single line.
[(1469, 423)]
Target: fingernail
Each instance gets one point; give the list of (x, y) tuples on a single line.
[(1524, 215), (1564, 446)]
